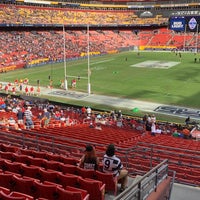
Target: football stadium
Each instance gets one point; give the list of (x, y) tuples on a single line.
[(99, 100)]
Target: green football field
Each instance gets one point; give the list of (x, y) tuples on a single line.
[(164, 77)]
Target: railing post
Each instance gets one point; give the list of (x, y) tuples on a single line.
[(151, 157), (156, 181), (37, 143), (53, 149), (140, 191)]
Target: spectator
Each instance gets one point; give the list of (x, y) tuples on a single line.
[(20, 117), (40, 116), (28, 118), (98, 127), (4, 123), (89, 160), (187, 120), (46, 117), (12, 123), (112, 164), (89, 112)]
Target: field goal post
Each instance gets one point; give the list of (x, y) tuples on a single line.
[(88, 62)]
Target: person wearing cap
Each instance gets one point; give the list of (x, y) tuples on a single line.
[(112, 164), (89, 160)]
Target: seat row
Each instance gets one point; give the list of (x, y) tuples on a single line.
[(5, 194), (69, 175), (34, 189), (41, 158)]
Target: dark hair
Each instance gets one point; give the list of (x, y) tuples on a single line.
[(110, 150), (88, 148)]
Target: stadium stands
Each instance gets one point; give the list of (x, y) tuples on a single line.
[(42, 163)]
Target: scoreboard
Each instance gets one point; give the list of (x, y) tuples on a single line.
[(186, 23)]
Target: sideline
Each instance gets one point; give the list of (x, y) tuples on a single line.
[(121, 102)]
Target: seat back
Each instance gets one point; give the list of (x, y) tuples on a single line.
[(68, 180), (84, 193), (95, 188), (109, 181), (86, 173), (24, 185)]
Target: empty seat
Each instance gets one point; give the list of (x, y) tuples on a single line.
[(66, 168), (67, 180), (95, 188), (86, 173), (43, 190), (24, 185), (48, 175), (54, 165), (6, 180), (40, 162), (30, 171), (63, 194), (84, 193), (5, 190), (14, 167), (68, 160), (17, 195), (109, 181)]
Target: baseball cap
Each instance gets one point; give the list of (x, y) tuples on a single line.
[(88, 148)]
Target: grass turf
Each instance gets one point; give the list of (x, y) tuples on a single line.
[(114, 75)]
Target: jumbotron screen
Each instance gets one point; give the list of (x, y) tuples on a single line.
[(186, 23)]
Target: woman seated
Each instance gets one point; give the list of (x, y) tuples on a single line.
[(89, 160)]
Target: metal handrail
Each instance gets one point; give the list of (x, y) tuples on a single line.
[(150, 180)]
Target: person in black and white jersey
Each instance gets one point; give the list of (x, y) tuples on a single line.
[(112, 164)]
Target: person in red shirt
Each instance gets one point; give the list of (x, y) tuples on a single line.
[(14, 90), (83, 110), (27, 90), (32, 90), (6, 89), (73, 83)]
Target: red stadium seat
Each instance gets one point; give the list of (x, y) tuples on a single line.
[(84, 193), (109, 181), (71, 161), (15, 195), (7, 155), (40, 162), (14, 167), (30, 171), (63, 194), (48, 175), (21, 158), (8, 197), (4, 190), (54, 165), (6, 180), (67, 168), (68, 180), (86, 173), (95, 188), (48, 191), (24, 185)]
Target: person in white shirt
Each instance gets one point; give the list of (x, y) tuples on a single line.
[(89, 112), (112, 164)]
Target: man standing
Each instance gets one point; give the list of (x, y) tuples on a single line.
[(28, 118), (46, 117)]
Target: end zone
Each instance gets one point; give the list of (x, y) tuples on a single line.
[(156, 64)]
